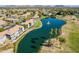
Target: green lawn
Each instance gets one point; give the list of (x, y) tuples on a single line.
[(44, 16), (77, 16), (38, 24), (73, 40)]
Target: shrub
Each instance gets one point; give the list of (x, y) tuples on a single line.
[(62, 39), (1, 29)]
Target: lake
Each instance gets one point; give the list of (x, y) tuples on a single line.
[(32, 42)]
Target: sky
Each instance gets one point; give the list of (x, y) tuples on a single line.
[(39, 2)]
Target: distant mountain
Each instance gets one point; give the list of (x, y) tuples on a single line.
[(59, 6), (66, 6)]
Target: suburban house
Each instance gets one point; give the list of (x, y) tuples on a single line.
[(12, 20), (14, 32), (36, 16), (2, 15), (26, 15), (3, 37), (69, 17), (11, 33), (29, 22), (2, 23)]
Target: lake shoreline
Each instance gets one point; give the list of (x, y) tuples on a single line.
[(25, 33), (61, 22)]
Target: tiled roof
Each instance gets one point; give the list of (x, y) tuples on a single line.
[(10, 31), (13, 29), (2, 22), (29, 21)]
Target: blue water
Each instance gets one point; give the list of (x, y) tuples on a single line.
[(32, 42)]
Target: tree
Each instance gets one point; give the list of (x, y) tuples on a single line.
[(17, 23), (62, 39), (2, 29), (53, 16), (25, 26)]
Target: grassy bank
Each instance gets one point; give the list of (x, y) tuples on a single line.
[(21, 37), (73, 39), (71, 34), (43, 16), (37, 25)]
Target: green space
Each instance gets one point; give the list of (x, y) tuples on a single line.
[(73, 40), (38, 24), (43, 16), (77, 16), (2, 29)]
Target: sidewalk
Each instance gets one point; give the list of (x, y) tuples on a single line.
[(20, 37)]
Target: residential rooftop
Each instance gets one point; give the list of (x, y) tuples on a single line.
[(2, 22), (10, 31)]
